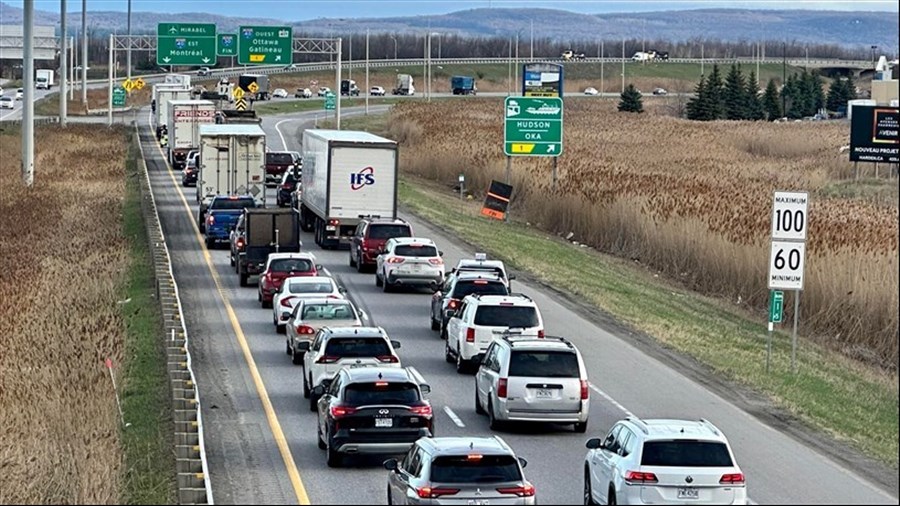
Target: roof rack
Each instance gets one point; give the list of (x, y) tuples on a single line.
[(640, 423), (710, 426)]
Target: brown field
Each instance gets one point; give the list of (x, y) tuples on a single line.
[(64, 260), (98, 98), (693, 201)]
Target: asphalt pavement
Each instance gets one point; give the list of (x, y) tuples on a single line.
[(253, 394)]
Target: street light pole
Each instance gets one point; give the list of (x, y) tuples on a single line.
[(84, 53), (601, 67), (395, 46), (367, 72), (28, 98), (531, 55), (623, 64), (128, 51), (516, 63), (63, 65)]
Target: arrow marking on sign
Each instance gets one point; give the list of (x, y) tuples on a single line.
[(205, 60), (551, 148), (166, 59)]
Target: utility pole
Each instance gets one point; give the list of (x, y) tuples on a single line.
[(601, 67), (509, 70), (63, 65), (623, 64), (702, 60), (783, 77), (516, 63), (350, 62), (84, 53), (128, 51), (73, 54), (337, 98), (367, 72), (531, 55), (28, 98), (758, 60)]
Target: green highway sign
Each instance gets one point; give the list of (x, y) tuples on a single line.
[(186, 44), (265, 45), (776, 306), (227, 44), (329, 101), (118, 98), (533, 126)]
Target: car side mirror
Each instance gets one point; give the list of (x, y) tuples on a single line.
[(426, 389), (285, 314), (318, 390), (390, 464), (342, 289), (319, 267), (303, 346), (523, 462), (395, 344), (594, 444), (440, 253), (512, 277)]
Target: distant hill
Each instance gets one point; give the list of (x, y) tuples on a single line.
[(851, 29)]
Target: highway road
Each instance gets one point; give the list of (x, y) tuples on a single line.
[(261, 436)]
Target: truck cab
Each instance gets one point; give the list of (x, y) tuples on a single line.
[(349, 88)]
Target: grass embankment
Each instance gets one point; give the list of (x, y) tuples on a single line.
[(98, 99), (279, 106), (64, 311)]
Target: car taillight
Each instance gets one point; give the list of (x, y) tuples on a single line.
[(334, 223), (732, 479), (326, 359), (339, 411), (388, 359), (210, 219), (395, 260), (526, 490), (434, 493), (639, 477), (453, 304), (585, 391), (286, 302), (240, 243), (540, 334), (435, 261), (305, 330), (470, 335), (501, 387), (421, 410)]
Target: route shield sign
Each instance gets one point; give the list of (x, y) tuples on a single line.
[(265, 45), (533, 126), (329, 102), (118, 97), (227, 44), (186, 44)]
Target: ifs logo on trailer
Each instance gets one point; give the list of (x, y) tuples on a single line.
[(363, 178)]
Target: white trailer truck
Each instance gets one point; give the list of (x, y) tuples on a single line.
[(232, 162), (346, 175), (185, 118), (162, 94), (43, 79)]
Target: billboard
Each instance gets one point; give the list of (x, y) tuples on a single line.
[(542, 80), (874, 134)]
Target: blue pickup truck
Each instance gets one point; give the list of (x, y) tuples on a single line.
[(222, 214)]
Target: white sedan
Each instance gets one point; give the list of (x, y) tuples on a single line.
[(280, 93), (7, 103), (376, 91), (591, 91), (296, 288), (20, 93)]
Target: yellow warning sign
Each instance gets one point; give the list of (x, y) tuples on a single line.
[(240, 104), (128, 84), (257, 58), (238, 93), (253, 87), (522, 148), (139, 84)]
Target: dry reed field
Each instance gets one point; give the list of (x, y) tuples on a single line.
[(64, 258), (692, 201)]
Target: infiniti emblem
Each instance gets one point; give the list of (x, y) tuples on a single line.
[(386, 411), (689, 479)]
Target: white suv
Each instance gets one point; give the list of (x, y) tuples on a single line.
[(409, 261), (533, 379), (480, 318), (662, 462)]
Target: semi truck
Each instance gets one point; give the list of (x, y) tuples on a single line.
[(185, 118), (262, 85), (232, 162), (346, 175), (43, 79), (260, 232), (404, 85), (162, 94), (463, 85)]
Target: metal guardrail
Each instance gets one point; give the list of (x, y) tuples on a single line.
[(192, 471)]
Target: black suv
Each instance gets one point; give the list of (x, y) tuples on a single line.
[(448, 297), (371, 235), (372, 410)]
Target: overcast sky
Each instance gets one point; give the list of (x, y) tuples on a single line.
[(299, 10)]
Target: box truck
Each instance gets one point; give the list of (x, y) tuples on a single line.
[(43, 79), (162, 94), (346, 175), (259, 233), (185, 118), (232, 162), (404, 85)]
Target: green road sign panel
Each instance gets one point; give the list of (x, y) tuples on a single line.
[(329, 102), (118, 98), (265, 45), (533, 126), (776, 306), (186, 44), (227, 44)]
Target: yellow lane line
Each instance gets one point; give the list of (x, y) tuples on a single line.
[(272, 418)]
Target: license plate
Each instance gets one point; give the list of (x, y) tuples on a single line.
[(384, 422), (354, 366), (544, 394), (688, 493), (478, 501)]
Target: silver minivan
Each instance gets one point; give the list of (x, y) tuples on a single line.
[(530, 379)]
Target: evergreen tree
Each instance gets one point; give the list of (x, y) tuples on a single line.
[(771, 102), (631, 100), (716, 101), (815, 93), (792, 93), (753, 104), (837, 94), (697, 107), (733, 95), (851, 88)]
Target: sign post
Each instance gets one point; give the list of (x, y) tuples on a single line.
[(787, 257), (190, 44), (265, 45), (776, 313)]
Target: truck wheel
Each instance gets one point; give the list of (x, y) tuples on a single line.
[(296, 358), (352, 260), (378, 281), (243, 276), (231, 259), (210, 243)]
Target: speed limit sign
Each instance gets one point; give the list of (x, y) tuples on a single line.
[(789, 215), (786, 265)]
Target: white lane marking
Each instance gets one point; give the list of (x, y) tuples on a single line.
[(459, 423), (283, 143), (610, 399)]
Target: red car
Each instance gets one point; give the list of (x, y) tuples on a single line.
[(370, 237), (280, 266)]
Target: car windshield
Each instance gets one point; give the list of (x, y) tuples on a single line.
[(465, 469), (506, 316), (279, 159), (388, 231), (291, 265), (322, 287), (327, 312), (482, 286), (361, 394), (545, 364), (415, 250), (685, 453), (357, 347), (232, 203)]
